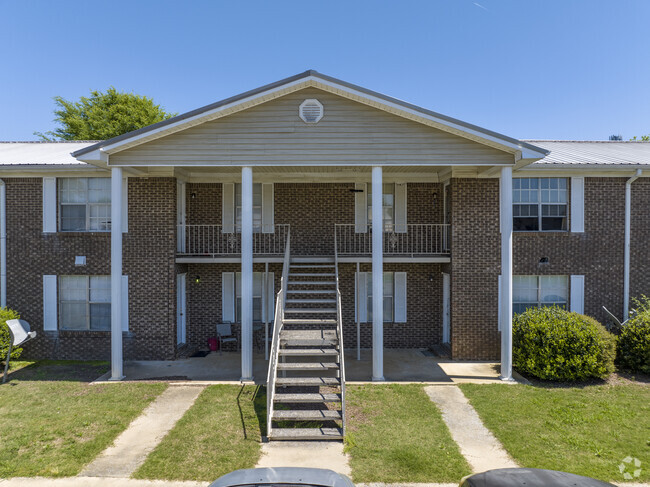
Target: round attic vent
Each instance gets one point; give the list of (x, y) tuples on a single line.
[(311, 111)]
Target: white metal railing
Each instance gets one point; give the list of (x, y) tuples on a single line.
[(339, 332), (211, 240), (275, 344), (401, 239)]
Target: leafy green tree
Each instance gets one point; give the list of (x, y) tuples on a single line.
[(103, 115), (643, 138)]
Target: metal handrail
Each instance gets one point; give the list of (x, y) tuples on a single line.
[(339, 332), (213, 240), (399, 239), (275, 343)]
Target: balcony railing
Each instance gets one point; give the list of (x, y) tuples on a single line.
[(401, 239), (215, 240)]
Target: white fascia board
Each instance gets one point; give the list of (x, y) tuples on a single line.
[(98, 158), (38, 170), (584, 170)]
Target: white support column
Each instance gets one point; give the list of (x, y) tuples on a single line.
[(377, 276), (116, 274), (506, 272), (247, 274)]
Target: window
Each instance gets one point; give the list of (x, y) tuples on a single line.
[(388, 206), (389, 296), (538, 291), (85, 302), (257, 207), (85, 204), (257, 296), (539, 204)]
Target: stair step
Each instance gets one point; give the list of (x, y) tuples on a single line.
[(312, 259), (307, 415), (307, 398), (310, 301), (312, 283), (311, 274), (307, 381), (308, 352), (306, 434), (308, 335), (308, 366), (311, 291), (310, 310), (309, 322), (316, 265)]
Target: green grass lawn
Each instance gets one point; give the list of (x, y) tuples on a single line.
[(221, 432), (587, 431), (54, 422), (396, 434)]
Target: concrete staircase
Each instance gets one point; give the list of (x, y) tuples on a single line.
[(308, 390)]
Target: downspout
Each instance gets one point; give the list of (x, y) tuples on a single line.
[(626, 264), (3, 244)]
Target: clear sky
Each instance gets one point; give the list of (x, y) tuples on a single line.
[(541, 69)]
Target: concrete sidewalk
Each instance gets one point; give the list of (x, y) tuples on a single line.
[(95, 482), (307, 454)]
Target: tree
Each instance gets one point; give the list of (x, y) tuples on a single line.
[(644, 138), (103, 115)]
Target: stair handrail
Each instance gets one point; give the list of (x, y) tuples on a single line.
[(339, 332), (275, 343)]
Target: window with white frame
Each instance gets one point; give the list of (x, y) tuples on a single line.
[(85, 204), (389, 296), (537, 291), (387, 203), (539, 204), (257, 296), (85, 302), (257, 207)]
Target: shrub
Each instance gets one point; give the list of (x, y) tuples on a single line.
[(7, 314), (554, 344), (633, 351)]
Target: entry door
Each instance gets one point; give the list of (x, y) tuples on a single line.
[(446, 306), (181, 315)]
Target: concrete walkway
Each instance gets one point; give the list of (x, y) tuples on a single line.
[(477, 444), (136, 442), (95, 482), (314, 454)]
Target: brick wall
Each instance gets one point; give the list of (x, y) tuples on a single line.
[(148, 260)]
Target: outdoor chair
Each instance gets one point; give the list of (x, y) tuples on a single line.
[(225, 335)]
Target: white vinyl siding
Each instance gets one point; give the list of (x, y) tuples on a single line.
[(85, 303), (395, 298), (537, 291), (85, 204), (539, 204)]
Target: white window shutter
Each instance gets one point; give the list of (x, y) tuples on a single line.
[(577, 215), (270, 297), (125, 303), (228, 296), (49, 303), (228, 208), (577, 294), (361, 208), (125, 205), (400, 297), (400, 208), (181, 190), (267, 208), (49, 205), (361, 298), (500, 314)]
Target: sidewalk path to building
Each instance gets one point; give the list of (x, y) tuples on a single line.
[(131, 448), (314, 454), (477, 444)]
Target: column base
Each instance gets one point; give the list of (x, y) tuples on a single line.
[(117, 379), (379, 379), (246, 380), (507, 379)]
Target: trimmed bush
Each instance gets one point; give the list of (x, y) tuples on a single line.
[(7, 314), (554, 344), (633, 351)]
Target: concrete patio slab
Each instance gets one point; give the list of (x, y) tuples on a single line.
[(477, 444), (131, 448), (308, 454)]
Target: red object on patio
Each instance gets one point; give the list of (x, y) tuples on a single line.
[(213, 343)]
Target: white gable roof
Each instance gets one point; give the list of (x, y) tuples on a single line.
[(593, 153)]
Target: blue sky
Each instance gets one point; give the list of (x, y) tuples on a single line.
[(545, 69)]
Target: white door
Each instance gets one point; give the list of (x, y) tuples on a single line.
[(446, 305), (181, 321)]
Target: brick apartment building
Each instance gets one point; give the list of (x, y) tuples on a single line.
[(130, 247)]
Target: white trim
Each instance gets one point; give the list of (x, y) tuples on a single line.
[(50, 313), (361, 298), (125, 205), (228, 297), (400, 297), (49, 205), (577, 212), (125, 303), (506, 272), (400, 208), (577, 294), (228, 208), (181, 214), (500, 313), (311, 101)]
